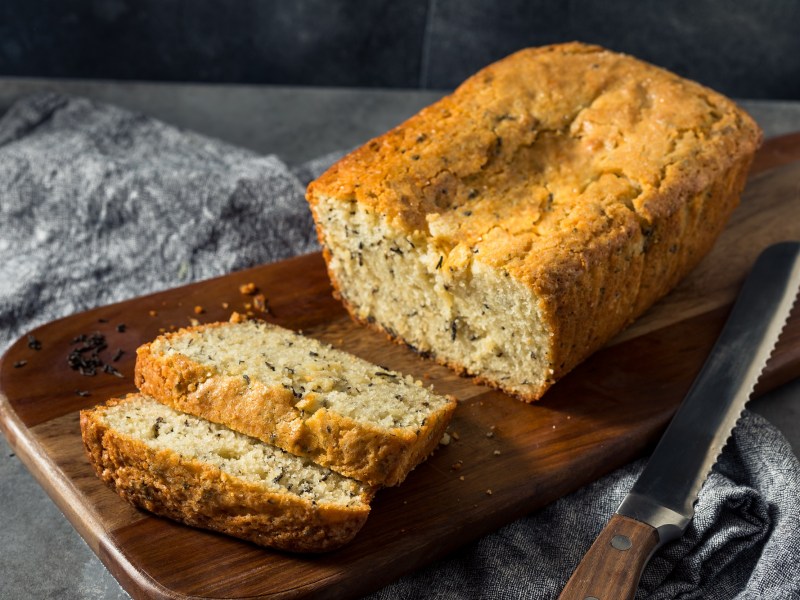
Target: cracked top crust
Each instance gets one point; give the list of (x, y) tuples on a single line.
[(548, 149)]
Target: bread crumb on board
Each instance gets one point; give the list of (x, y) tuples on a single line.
[(248, 289), (260, 303)]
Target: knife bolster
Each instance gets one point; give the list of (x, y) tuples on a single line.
[(669, 524)]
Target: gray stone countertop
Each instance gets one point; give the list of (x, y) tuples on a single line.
[(41, 555)]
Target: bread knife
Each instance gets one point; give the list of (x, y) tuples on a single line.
[(660, 505)]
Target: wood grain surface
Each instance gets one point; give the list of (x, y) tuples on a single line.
[(505, 460)]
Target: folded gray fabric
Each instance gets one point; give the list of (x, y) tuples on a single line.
[(98, 204)]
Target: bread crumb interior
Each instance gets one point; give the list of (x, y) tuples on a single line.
[(318, 375), (235, 454)]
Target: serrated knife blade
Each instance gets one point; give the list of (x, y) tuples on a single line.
[(661, 503)]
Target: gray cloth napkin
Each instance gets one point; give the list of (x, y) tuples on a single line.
[(98, 204)]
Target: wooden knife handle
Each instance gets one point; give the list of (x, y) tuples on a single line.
[(611, 568)]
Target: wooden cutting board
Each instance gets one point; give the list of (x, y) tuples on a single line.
[(505, 460)]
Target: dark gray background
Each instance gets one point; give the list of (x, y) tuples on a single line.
[(743, 48)]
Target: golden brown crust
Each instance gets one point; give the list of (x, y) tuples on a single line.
[(368, 453), (595, 179), (574, 91), (163, 482)]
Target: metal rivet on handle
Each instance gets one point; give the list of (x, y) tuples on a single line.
[(621, 542)]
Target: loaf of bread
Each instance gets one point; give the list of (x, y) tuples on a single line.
[(514, 227), (203, 474), (345, 413)]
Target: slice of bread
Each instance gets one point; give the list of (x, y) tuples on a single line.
[(363, 421), (203, 474), (514, 227)]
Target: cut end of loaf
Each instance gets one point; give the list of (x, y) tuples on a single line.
[(452, 308)]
